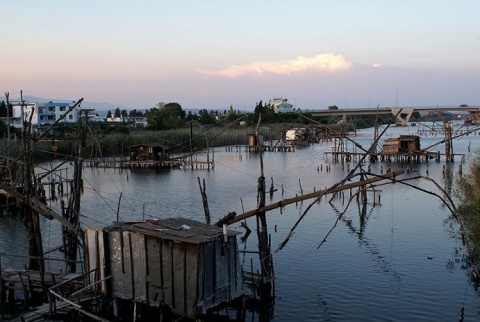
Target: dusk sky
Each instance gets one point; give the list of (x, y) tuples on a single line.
[(214, 54)]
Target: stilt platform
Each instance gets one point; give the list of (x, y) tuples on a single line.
[(147, 164)]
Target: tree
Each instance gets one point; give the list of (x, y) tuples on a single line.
[(231, 115), (3, 109), (205, 117), (136, 113), (259, 109), (117, 112), (267, 111), (169, 116), (3, 130), (124, 113), (109, 114), (191, 116)]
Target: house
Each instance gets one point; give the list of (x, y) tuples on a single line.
[(178, 263), (402, 145), (281, 105)]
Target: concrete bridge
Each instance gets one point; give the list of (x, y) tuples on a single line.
[(405, 112)]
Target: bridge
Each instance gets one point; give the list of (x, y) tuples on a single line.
[(403, 114)]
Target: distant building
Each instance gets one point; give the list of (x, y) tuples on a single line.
[(45, 113), (19, 114), (135, 121), (281, 105), (52, 111)]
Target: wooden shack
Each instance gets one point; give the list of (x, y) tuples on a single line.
[(252, 141), (297, 136), (149, 152), (404, 144), (180, 263), (253, 145)]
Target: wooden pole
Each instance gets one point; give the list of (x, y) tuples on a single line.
[(204, 200), (262, 231), (73, 211), (282, 203)]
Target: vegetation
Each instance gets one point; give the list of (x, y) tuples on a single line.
[(468, 194), (166, 116), (169, 124)]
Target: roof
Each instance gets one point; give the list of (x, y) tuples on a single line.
[(391, 141), (408, 137), (176, 229), (403, 138), (159, 145)]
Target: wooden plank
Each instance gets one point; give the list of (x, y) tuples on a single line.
[(128, 266), (138, 267), (178, 272), (191, 283), (116, 263), (153, 276), (167, 272)]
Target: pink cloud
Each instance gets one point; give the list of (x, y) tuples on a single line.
[(322, 62)]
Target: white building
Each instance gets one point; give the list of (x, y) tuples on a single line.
[(281, 105), (50, 112), (45, 113), (22, 111)]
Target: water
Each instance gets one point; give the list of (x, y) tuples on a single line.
[(403, 262)]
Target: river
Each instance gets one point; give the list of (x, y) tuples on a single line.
[(402, 262)]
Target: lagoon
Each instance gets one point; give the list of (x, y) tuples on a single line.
[(403, 261)]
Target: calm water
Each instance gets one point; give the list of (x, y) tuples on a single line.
[(402, 263)]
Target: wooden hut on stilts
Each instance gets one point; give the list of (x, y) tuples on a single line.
[(174, 265)]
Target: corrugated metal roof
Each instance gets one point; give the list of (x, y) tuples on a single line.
[(176, 229)]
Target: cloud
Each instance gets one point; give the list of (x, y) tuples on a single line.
[(322, 62), (376, 65)]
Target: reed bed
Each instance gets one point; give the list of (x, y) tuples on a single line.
[(179, 140)]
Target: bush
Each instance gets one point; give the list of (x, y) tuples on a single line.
[(468, 194)]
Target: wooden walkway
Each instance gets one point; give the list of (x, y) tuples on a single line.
[(20, 286), (392, 157), (166, 164)]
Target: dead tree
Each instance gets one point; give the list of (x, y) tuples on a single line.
[(262, 231), (72, 213), (204, 200)]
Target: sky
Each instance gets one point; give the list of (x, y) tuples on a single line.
[(216, 54)]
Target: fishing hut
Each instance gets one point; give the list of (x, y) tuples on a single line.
[(178, 264), (406, 148), (297, 136), (253, 145), (147, 155), (402, 144), (253, 142)]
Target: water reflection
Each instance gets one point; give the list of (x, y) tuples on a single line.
[(377, 257)]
